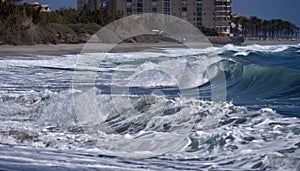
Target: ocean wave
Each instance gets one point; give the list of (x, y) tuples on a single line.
[(247, 50), (244, 53), (254, 85), (208, 129), (239, 50), (170, 74), (254, 131), (40, 61)]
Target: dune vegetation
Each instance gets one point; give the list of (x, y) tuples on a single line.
[(25, 25)]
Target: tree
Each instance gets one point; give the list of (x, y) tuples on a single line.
[(257, 29)]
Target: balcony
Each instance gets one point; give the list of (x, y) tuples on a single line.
[(224, 0), (224, 6)]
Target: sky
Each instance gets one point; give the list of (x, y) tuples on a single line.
[(266, 9), (269, 9)]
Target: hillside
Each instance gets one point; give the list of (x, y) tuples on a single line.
[(21, 25)]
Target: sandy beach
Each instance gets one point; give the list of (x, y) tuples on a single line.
[(60, 49), (65, 49), (270, 42)]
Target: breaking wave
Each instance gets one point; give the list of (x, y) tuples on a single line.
[(221, 132), (257, 128)]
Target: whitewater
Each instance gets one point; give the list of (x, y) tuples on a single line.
[(148, 119)]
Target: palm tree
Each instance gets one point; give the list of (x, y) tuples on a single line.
[(255, 28)]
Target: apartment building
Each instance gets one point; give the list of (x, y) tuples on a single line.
[(223, 11), (190, 10), (92, 4), (208, 13)]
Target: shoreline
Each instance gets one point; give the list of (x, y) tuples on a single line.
[(72, 49), (270, 42), (40, 49)]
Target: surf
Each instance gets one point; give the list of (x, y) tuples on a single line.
[(139, 100)]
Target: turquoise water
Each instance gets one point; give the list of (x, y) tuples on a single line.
[(157, 110)]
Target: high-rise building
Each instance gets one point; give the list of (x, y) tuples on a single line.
[(190, 10), (223, 15), (91, 4), (208, 13)]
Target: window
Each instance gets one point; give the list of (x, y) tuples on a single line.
[(167, 7), (128, 4), (139, 10), (129, 10), (184, 6), (139, 5), (154, 3)]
